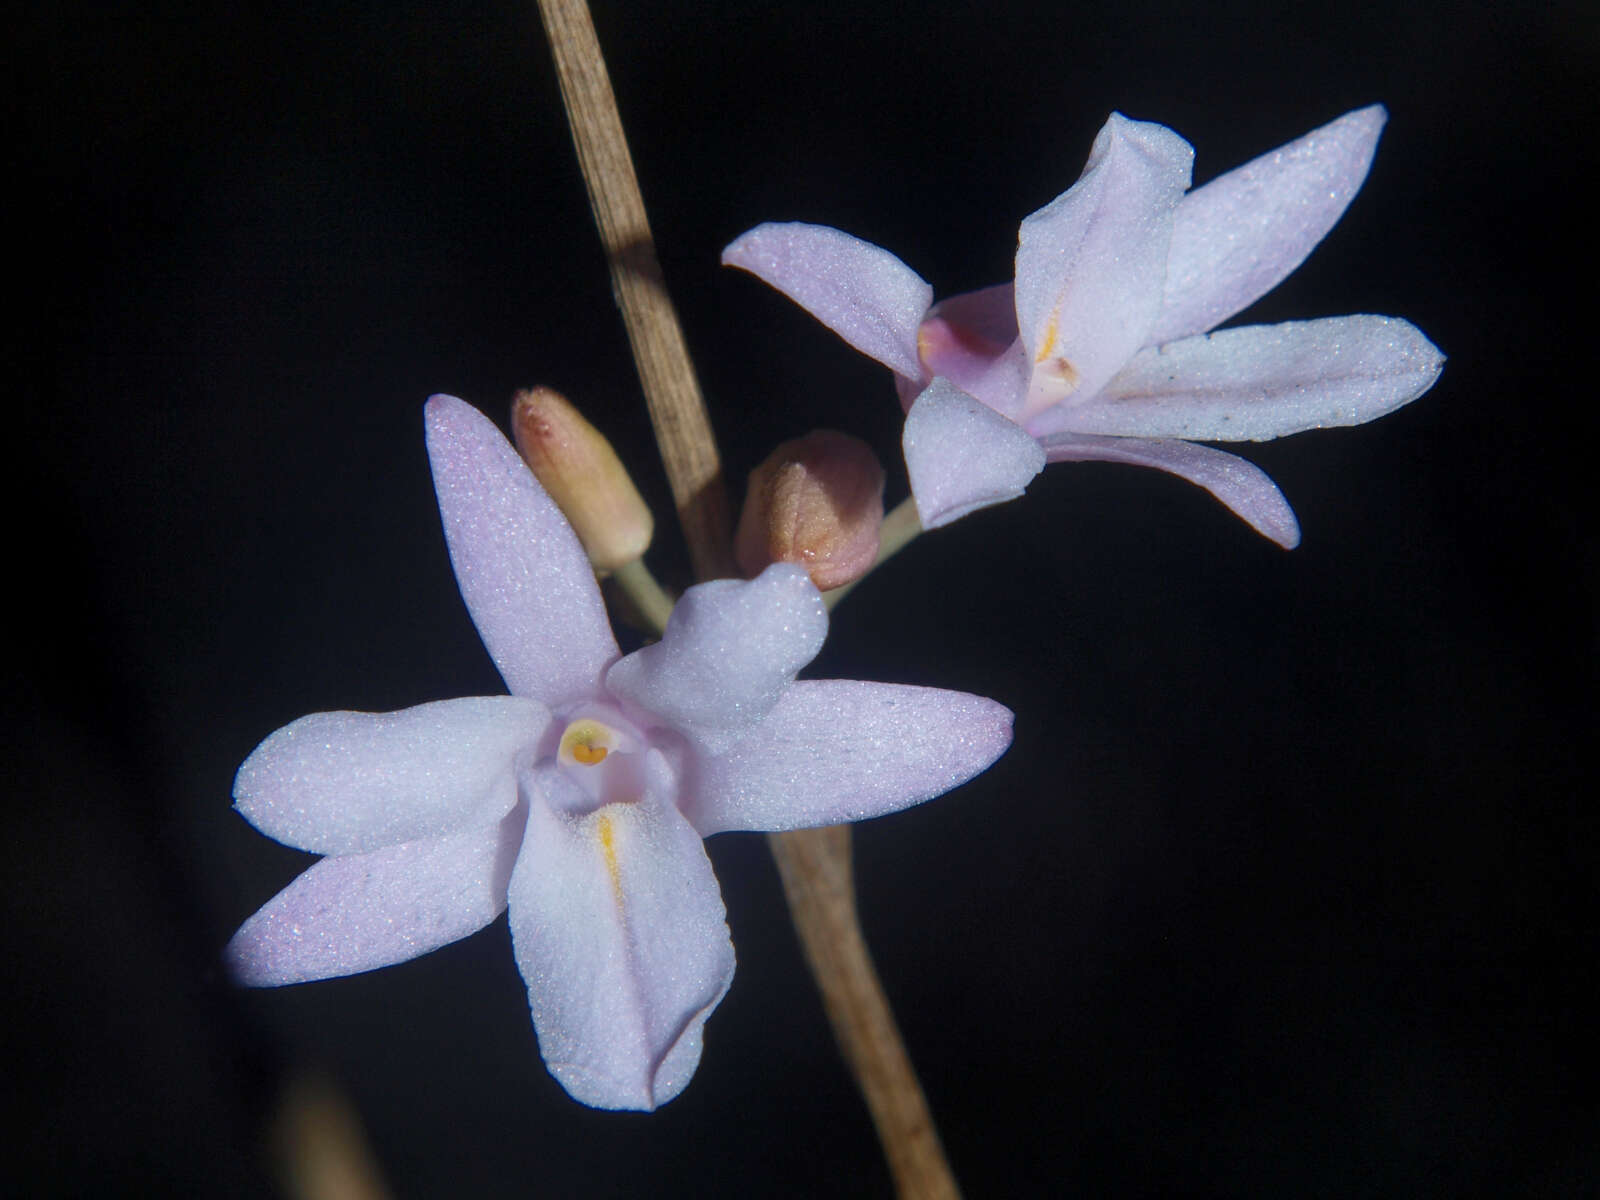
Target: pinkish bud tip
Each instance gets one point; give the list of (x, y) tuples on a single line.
[(576, 465)]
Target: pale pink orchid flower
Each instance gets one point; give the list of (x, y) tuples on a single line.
[(1099, 350), (579, 802)]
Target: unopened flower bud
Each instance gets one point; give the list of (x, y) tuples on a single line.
[(816, 501), (577, 466)]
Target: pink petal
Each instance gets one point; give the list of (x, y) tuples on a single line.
[(1240, 235), (356, 912), (839, 750), (730, 648), (526, 580), (1265, 381), (346, 782), (1090, 263), (986, 318), (863, 293), (1242, 486), (621, 936), (963, 338), (962, 455), (999, 381)]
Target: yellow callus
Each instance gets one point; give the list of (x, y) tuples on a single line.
[(605, 830)]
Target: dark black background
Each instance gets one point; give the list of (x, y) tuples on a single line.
[(1287, 884)]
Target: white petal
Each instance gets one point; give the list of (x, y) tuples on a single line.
[(962, 455), (1265, 381), (622, 939), (1240, 235), (860, 291), (1090, 263), (1242, 486), (525, 578), (840, 750), (356, 912), (345, 782), (730, 648)]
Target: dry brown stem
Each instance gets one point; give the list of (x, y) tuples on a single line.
[(677, 411), (816, 868)]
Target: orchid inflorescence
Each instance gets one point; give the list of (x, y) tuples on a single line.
[(578, 803)]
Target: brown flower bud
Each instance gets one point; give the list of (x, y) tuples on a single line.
[(577, 466), (816, 501)]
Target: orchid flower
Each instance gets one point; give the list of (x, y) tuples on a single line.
[(579, 802), (1099, 350)]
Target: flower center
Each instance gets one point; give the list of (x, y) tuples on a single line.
[(604, 754), (586, 742)]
